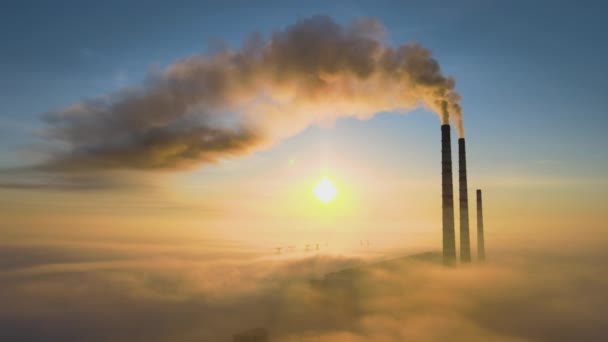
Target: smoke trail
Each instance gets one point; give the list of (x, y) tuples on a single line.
[(209, 107)]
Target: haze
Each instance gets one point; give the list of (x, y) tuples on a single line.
[(188, 171)]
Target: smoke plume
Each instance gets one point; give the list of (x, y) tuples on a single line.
[(209, 107)]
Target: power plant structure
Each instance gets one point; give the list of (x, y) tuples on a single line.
[(465, 245), (481, 248), (447, 195)]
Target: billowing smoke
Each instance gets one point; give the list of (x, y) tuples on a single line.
[(209, 107)]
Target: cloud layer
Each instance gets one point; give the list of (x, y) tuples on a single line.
[(209, 107), (158, 293)]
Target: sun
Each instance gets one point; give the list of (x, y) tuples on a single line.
[(325, 190)]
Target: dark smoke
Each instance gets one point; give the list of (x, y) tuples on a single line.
[(209, 107)]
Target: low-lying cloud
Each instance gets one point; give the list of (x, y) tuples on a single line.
[(147, 294), (210, 107)]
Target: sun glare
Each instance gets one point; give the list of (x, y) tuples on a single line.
[(325, 190)]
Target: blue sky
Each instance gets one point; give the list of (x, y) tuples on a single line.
[(531, 73), (192, 255), (194, 252)]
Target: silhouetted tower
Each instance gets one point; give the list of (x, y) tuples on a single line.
[(447, 194), (481, 249), (465, 244)]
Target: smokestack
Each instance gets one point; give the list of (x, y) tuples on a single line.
[(447, 193), (481, 249), (465, 245)]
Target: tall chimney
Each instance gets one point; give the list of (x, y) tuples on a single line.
[(481, 249), (465, 245), (447, 193)]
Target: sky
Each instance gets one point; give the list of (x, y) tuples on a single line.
[(530, 75)]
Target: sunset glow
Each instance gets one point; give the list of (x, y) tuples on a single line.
[(325, 190), (315, 171)]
